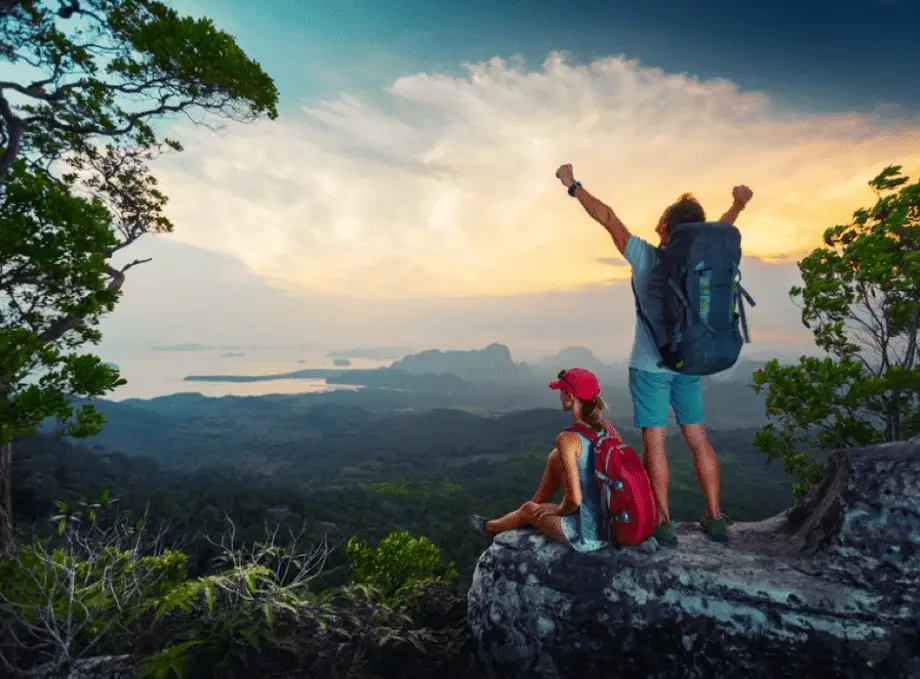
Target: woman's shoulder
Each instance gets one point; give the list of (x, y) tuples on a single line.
[(568, 439)]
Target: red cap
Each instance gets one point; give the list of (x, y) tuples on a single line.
[(578, 382)]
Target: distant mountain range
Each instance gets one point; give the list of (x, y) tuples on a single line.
[(484, 380), (489, 384), (493, 365), (437, 369)]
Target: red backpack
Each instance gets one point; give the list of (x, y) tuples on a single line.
[(629, 512)]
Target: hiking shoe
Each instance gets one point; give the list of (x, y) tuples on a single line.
[(666, 534), (716, 529), (478, 524)]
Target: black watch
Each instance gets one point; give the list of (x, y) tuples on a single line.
[(573, 188)]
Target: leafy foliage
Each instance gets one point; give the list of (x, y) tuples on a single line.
[(75, 188), (398, 564), (90, 592), (252, 618), (82, 590), (861, 299), (50, 272)]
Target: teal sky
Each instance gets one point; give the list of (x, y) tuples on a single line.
[(852, 55)]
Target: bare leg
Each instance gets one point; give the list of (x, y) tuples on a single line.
[(511, 521), (656, 464), (707, 468), (520, 518), (551, 526), (552, 478)]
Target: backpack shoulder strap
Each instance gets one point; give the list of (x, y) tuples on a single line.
[(660, 255), (584, 430), (641, 314)]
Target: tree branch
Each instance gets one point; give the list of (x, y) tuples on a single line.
[(908, 361), (14, 127), (34, 90), (131, 120), (67, 323)]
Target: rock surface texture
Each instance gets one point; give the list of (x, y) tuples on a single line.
[(101, 667), (830, 588)]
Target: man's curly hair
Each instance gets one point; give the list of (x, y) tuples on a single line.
[(686, 210)]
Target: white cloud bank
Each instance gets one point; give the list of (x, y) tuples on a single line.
[(446, 188)]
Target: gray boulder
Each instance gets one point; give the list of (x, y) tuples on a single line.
[(827, 589)]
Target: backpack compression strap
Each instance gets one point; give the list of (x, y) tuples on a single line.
[(740, 295)]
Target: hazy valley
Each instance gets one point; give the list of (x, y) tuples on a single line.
[(416, 447)]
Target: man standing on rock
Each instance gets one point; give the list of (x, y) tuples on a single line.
[(652, 386)]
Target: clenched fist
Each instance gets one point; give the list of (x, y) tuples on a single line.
[(742, 195), (564, 174)]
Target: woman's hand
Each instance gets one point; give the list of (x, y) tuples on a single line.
[(541, 511)]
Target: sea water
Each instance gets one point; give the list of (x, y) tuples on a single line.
[(153, 373)]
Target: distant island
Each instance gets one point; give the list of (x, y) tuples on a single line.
[(342, 362), (372, 353), (233, 354), (188, 346), (310, 373)]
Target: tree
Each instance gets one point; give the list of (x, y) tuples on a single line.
[(75, 187), (861, 299)]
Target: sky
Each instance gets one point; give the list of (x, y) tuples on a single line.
[(406, 194)]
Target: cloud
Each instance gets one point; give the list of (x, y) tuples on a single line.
[(445, 187)]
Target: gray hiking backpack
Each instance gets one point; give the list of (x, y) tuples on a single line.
[(704, 326)]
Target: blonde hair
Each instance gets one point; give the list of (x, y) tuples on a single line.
[(593, 411)]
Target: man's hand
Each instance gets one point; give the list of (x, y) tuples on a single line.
[(742, 195), (564, 174)]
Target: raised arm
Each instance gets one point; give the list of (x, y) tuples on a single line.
[(598, 211), (740, 195)]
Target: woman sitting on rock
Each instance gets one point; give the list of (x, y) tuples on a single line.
[(574, 522)]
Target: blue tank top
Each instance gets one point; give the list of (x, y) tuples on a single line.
[(582, 527)]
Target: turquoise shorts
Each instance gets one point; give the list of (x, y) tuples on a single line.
[(653, 392)]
